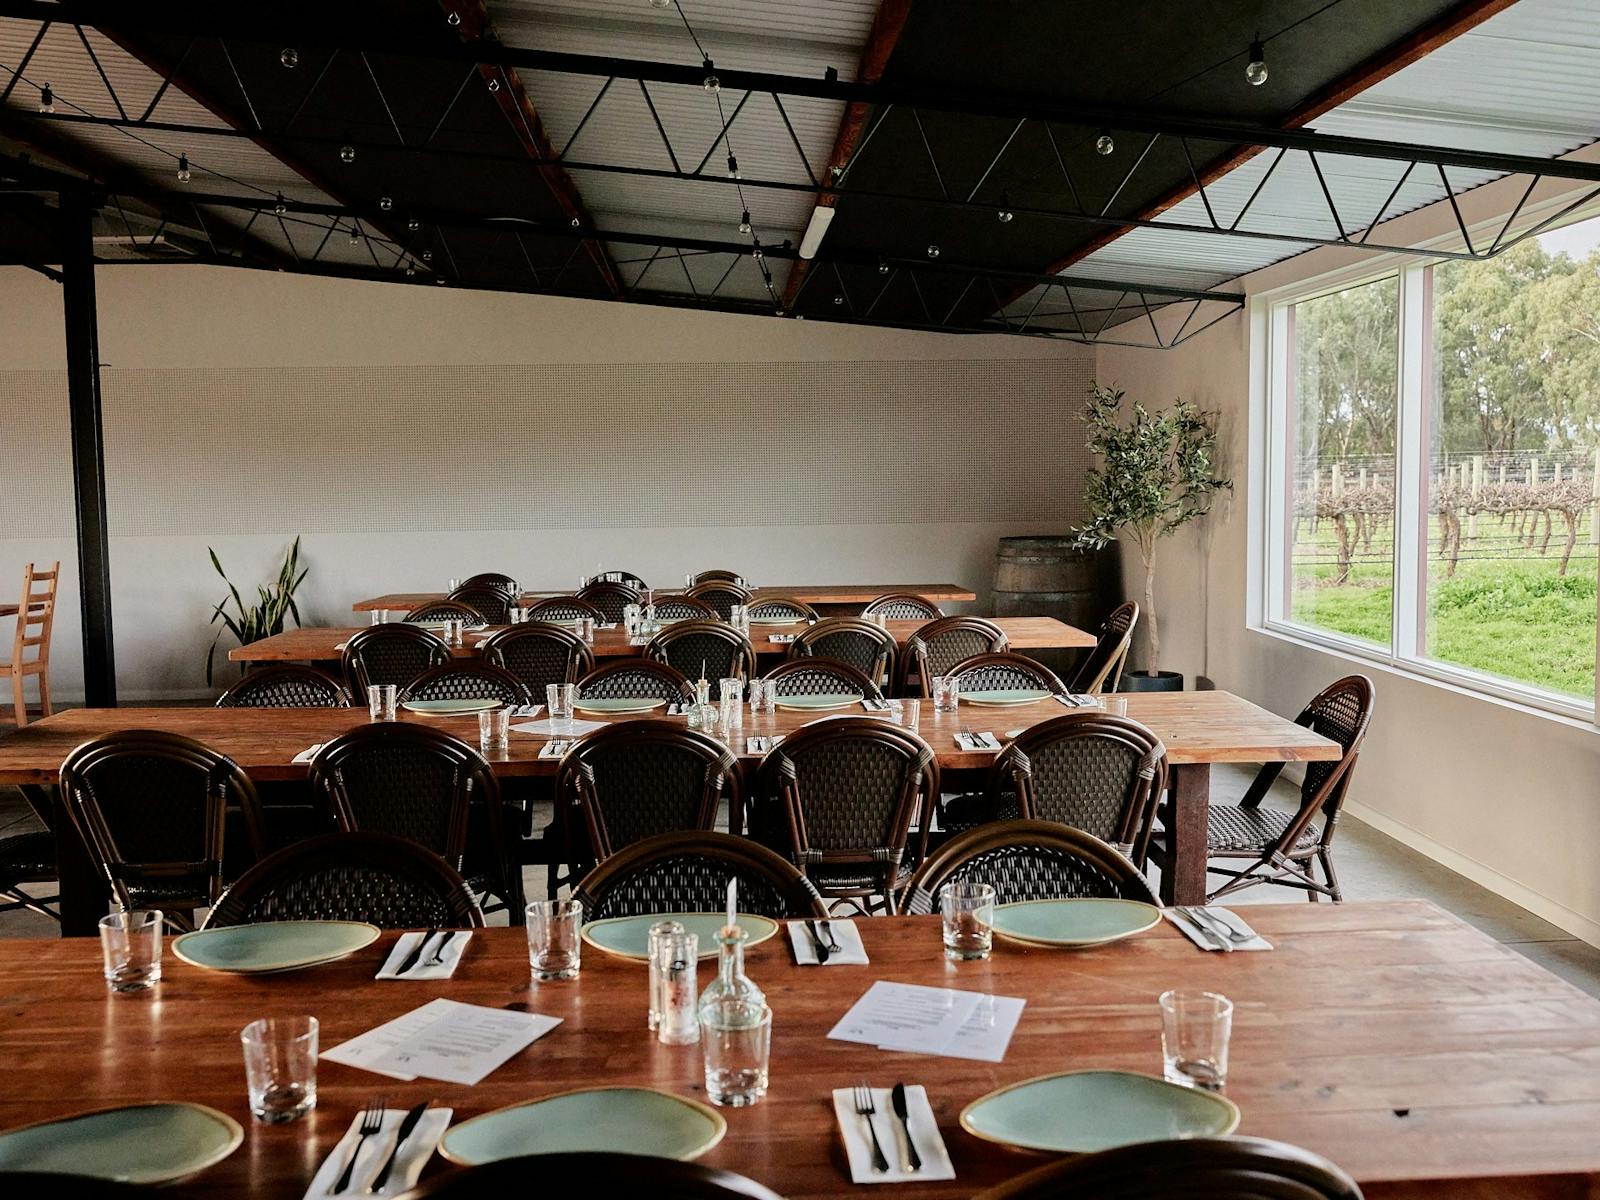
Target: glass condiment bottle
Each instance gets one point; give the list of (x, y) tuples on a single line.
[(731, 991)]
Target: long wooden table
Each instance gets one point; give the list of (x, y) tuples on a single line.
[(807, 593), (315, 643), (1198, 728), (1423, 1057)]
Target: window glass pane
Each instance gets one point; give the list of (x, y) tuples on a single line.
[(1514, 427), (1344, 375)]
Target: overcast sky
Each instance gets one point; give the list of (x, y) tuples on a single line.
[(1577, 240)]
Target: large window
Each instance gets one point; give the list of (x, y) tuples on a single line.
[(1438, 498)]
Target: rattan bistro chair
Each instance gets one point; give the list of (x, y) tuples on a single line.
[(385, 880), (715, 576), (1028, 860), (564, 608), (611, 598), (1102, 670), (625, 578), (689, 872), (635, 679), (286, 685), (773, 607), (683, 608), (866, 647), (1233, 1168), (539, 654), (468, 679), (940, 645), (720, 595), (470, 615), (493, 579), (492, 601), (397, 654), (902, 606), (725, 652), (152, 809), (592, 1174), (820, 677), (1282, 847), (1005, 671)]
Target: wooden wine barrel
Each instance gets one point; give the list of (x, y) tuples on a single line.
[(1047, 577)]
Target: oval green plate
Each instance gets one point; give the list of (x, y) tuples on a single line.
[(1074, 924), (617, 1119), (619, 704), (139, 1143), (629, 937), (820, 703), (273, 945), (1080, 1112), (1006, 697), (451, 708)]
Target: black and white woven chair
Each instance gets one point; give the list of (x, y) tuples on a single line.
[(939, 645), (539, 654), (385, 654), (690, 646), (285, 685), (902, 606), (1028, 860), (689, 873), (635, 679), (866, 647), (468, 679)]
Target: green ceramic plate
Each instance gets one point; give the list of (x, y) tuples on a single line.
[(1083, 1111), (451, 708), (629, 937), (1006, 698), (619, 704), (1074, 924), (617, 1119), (142, 1143), (273, 945), (820, 703)]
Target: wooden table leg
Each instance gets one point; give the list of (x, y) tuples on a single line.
[(83, 892), (1183, 879)]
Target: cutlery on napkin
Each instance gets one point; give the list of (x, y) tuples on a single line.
[(842, 938), (977, 741), (755, 744), (1079, 700), (411, 1155), (554, 749), (431, 954), (877, 706), (1205, 929), (924, 1130)]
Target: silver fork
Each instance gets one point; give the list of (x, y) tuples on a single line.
[(436, 959), (865, 1109), (827, 932), (1216, 925), (371, 1122)]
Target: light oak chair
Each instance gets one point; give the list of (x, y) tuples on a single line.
[(35, 616)]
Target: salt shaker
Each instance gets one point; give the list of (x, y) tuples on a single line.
[(676, 960)]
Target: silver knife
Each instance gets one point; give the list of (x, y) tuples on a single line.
[(410, 960), (406, 1126), (901, 1110), (1210, 935)]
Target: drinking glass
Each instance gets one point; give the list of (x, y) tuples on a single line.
[(381, 698), (494, 729), (454, 584), (763, 695), (1195, 1027), (1117, 706), (688, 581), (737, 1039), (560, 697), (280, 1067), (909, 713), (946, 693), (516, 615), (380, 616), (555, 945), (673, 960), (630, 618), (131, 942), (968, 912), (586, 629)]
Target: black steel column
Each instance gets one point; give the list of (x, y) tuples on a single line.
[(88, 447)]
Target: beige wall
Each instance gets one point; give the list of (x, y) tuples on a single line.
[(411, 434), (1500, 793)]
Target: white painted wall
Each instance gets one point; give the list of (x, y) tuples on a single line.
[(412, 434)]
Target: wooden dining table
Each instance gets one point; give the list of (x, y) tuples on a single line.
[(322, 643), (825, 594), (1197, 728), (1420, 1055)]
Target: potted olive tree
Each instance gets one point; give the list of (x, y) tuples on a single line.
[(1156, 474)]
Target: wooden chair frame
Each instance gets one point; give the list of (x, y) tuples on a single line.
[(807, 613), (699, 608), (728, 594), (668, 673), (493, 579), (852, 676), (492, 601), (1102, 670), (732, 577), (36, 616), (1045, 677), (480, 668)]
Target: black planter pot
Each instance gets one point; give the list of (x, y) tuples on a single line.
[(1151, 681)]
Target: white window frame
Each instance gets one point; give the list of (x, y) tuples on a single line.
[(1271, 459)]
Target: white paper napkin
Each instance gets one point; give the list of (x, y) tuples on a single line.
[(454, 949), (780, 637), (568, 730), (340, 645), (761, 743), (980, 741), (556, 748), (307, 754), (1079, 700), (924, 1133), (527, 710), (414, 1155), (1206, 941), (850, 952), (878, 706)]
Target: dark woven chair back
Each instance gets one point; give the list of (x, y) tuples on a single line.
[(635, 779), (448, 610), (820, 677), (152, 810), (492, 601), (1005, 671), (593, 1174), (902, 606), (772, 607), (611, 598), (1102, 670), (468, 679), (387, 881), (1096, 772), (732, 577), (1028, 860), (286, 685), (1341, 711), (539, 654), (720, 596), (940, 645), (862, 644), (394, 654), (493, 579), (725, 652), (689, 872), (565, 608), (1234, 1168), (635, 679), (683, 608), (625, 578)]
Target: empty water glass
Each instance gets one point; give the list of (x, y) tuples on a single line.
[(555, 942), (381, 699), (380, 616), (454, 629), (494, 728), (673, 994), (737, 1039), (946, 693), (763, 695), (688, 580), (1195, 1028), (560, 697), (909, 713), (631, 614), (280, 1067), (516, 615), (586, 629), (968, 912), (131, 943), (454, 584), (1117, 706)]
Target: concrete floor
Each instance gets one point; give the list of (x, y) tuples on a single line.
[(1372, 866)]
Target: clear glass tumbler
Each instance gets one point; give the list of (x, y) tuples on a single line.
[(560, 697), (946, 693), (381, 701), (131, 942), (555, 942), (968, 912), (455, 630), (909, 713), (280, 1067), (1195, 1028), (494, 729), (516, 615), (736, 1037), (586, 629), (380, 616), (454, 584)]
